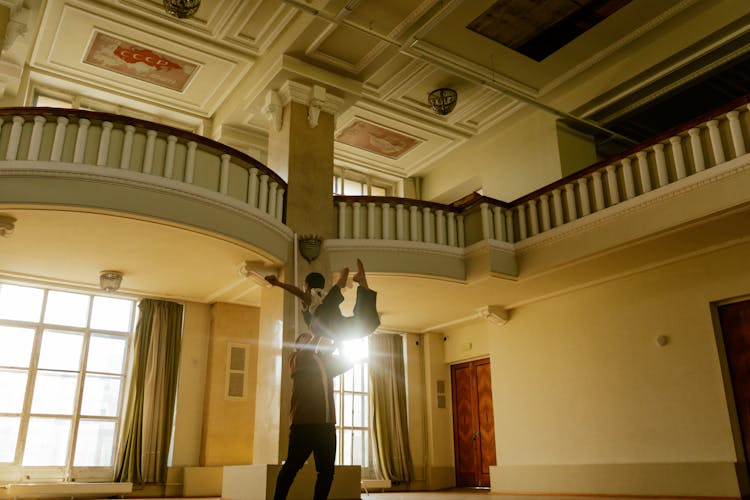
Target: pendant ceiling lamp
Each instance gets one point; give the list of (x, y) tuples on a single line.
[(182, 8)]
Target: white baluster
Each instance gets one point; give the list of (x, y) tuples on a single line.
[(679, 158), (357, 232), (272, 188), (583, 192), (627, 177), (413, 225), (342, 219), (224, 178), (104, 141), (263, 193), (169, 157), (81, 139), (427, 225), (697, 148), (485, 212), (148, 156), (59, 140), (36, 137), (252, 188), (461, 231), (661, 165), (544, 201), (190, 162), (570, 202), (717, 147), (643, 171), (127, 147), (280, 204), (400, 222), (522, 234), (598, 190), (386, 216), (612, 185), (499, 219), (371, 220), (510, 233), (15, 138), (356, 220), (736, 129), (558, 207), (452, 240), (440, 226), (533, 217)]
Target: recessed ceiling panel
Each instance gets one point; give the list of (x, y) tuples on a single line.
[(379, 140), (538, 28)]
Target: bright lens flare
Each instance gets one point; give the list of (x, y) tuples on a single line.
[(355, 350)]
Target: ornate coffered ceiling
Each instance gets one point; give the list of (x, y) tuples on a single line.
[(381, 59)]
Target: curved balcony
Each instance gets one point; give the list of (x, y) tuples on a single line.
[(96, 160), (86, 159)]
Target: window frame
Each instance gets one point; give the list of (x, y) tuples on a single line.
[(16, 470)]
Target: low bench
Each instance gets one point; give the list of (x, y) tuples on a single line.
[(69, 489)]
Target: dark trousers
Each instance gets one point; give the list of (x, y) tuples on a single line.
[(318, 439)]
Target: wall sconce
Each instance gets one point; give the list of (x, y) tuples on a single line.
[(309, 246), (442, 101), (7, 225), (181, 8), (110, 280)]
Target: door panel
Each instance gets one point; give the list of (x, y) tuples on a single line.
[(735, 326), (473, 422)]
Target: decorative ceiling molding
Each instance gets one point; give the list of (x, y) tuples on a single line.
[(292, 91)]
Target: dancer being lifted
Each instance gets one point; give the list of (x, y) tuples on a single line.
[(321, 310)]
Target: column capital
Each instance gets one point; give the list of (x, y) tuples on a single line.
[(309, 95)]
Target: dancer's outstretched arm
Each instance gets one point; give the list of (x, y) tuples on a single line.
[(294, 290)]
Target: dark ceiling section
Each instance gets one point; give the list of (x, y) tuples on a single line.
[(538, 28), (691, 100)]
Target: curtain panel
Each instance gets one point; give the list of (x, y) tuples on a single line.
[(388, 418), (147, 422)]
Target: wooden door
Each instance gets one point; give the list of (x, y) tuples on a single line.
[(473, 422), (735, 327)]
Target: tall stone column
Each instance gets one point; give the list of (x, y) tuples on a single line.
[(300, 150)]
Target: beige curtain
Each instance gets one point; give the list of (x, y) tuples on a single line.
[(388, 422), (147, 422)]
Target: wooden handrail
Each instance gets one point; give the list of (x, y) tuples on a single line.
[(393, 200), (145, 124)]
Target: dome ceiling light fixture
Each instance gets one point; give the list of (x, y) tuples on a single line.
[(443, 100), (110, 281), (181, 8)]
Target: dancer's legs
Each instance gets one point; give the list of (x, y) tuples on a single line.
[(301, 439)]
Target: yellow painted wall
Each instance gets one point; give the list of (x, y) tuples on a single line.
[(496, 154), (229, 423)]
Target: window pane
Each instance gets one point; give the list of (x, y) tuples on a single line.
[(353, 188), (61, 350), (359, 448), (347, 452), (94, 443), (20, 303), (15, 346), (54, 392), (338, 408), (12, 390), (377, 191), (106, 354), (44, 101), (64, 308), (360, 414), (347, 410), (111, 314), (357, 378), (101, 394), (348, 381), (47, 441), (8, 437)]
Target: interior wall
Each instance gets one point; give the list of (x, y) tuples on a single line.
[(580, 379), (494, 156), (228, 424)]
